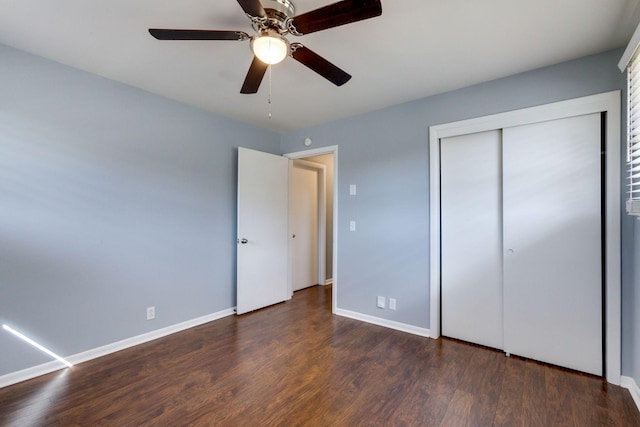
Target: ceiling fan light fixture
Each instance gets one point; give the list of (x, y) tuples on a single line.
[(270, 47)]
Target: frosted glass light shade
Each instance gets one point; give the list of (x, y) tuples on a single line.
[(270, 48)]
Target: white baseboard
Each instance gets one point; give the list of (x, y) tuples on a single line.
[(423, 332), (46, 368), (27, 374), (328, 282), (630, 384)]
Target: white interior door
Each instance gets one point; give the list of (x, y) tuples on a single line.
[(553, 242), (471, 227), (263, 187), (304, 228)]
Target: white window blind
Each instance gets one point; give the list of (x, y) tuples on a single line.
[(633, 134)]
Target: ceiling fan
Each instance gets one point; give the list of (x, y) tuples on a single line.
[(272, 22)]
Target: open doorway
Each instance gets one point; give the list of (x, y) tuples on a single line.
[(316, 171), (307, 223)]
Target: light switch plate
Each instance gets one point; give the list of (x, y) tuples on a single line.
[(352, 190), (352, 226)]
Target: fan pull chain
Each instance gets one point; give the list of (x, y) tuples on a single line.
[(269, 91)]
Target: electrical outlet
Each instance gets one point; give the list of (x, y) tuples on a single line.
[(381, 302), (392, 303), (151, 313)]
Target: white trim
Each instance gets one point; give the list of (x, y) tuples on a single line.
[(605, 102), (631, 385), (33, 372), (328, 282), (398, 326), (46, 368), (331, 149), (629, 51)]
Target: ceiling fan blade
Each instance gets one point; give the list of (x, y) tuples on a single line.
[(334, 15), (170, 34), (254, 76), (252, 7), (320, 65)]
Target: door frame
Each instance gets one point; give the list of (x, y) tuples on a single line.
[(321, 182), (608, 103), (332, 149)]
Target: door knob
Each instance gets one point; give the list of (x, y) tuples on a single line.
[(510, 251), (243, 241)]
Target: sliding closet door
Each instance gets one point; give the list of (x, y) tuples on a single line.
[(471, 238), (553, 242)]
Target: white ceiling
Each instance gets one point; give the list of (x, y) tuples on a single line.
[(415, 49)]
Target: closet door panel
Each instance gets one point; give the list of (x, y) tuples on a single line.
[(471, 238), (553, 242)]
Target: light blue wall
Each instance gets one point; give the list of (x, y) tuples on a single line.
[(631, 300), (385, 153), (632, 316), (111, 200)]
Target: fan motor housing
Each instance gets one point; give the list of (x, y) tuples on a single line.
[(279, 10)]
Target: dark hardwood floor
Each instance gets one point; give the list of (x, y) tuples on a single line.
[(296, 364)]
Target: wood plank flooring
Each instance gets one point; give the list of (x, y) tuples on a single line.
[(297, 364)]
